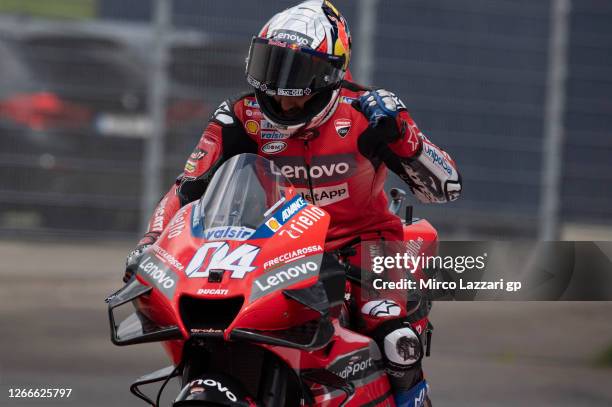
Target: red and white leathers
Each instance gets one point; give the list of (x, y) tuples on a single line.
[(340, 166)]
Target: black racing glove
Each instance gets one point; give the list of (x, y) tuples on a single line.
[(132, 261)]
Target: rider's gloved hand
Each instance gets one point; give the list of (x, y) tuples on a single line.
[(389, 118), (132, 261), (379, 106)]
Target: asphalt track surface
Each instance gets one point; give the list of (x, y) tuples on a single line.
[(54, 334)]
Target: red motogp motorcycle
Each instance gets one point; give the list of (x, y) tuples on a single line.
[(248, 305)]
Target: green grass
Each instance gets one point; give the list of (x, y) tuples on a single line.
[(74, 9)]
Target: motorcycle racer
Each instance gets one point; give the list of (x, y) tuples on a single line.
[(334, 140)]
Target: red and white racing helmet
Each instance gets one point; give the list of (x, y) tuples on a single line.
[(301, 51)]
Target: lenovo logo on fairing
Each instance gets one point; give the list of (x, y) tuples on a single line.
[(216, 385), (285, 276), (158, 275)]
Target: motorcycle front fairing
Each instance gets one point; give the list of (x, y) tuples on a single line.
[(226, 254), (246, 263)]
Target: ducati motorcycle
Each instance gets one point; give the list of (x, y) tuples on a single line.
[(249, 307)]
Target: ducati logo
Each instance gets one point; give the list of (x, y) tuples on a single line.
[(343, 126)]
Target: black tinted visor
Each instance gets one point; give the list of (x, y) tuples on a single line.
[(284, 69)]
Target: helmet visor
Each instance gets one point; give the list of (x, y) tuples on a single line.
[(283, 69)]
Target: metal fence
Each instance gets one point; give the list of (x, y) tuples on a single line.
[(97, 116)]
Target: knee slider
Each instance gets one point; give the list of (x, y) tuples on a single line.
[(401, 346)]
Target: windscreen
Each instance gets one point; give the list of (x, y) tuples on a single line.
[(243, 191)]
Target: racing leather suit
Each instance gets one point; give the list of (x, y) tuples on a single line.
[(340, 166)]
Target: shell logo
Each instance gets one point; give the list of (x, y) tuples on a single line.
[(273, 224), (252, 127)]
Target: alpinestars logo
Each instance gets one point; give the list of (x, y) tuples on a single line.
[(223, 115), (384, 308)]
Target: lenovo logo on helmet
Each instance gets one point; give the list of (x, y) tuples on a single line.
[(292, 36)]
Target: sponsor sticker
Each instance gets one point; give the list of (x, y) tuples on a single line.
[(213, 291), (190, 166), (437, 158), (291, 208), (274, 147), (299, 224), (323, 196), (282, 215), (227, 233), (251, 126), (158, 275), (217, 386), (273, 224), (293, 255), (223, 115), (327, 168), (251, 103), (343, 126), (273, 135), (292, 36), (290, 92), (347, 100), (266, 125), (158, 217), (285, 276), (168, 258), (198, 154), (219, 256), (177, 224), (381, 308)]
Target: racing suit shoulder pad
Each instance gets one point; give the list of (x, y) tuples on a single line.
[(227, 113)]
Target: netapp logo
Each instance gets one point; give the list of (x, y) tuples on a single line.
[(323, 196), (292, 36)]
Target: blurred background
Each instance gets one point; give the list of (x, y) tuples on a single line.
[(101, 101)]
